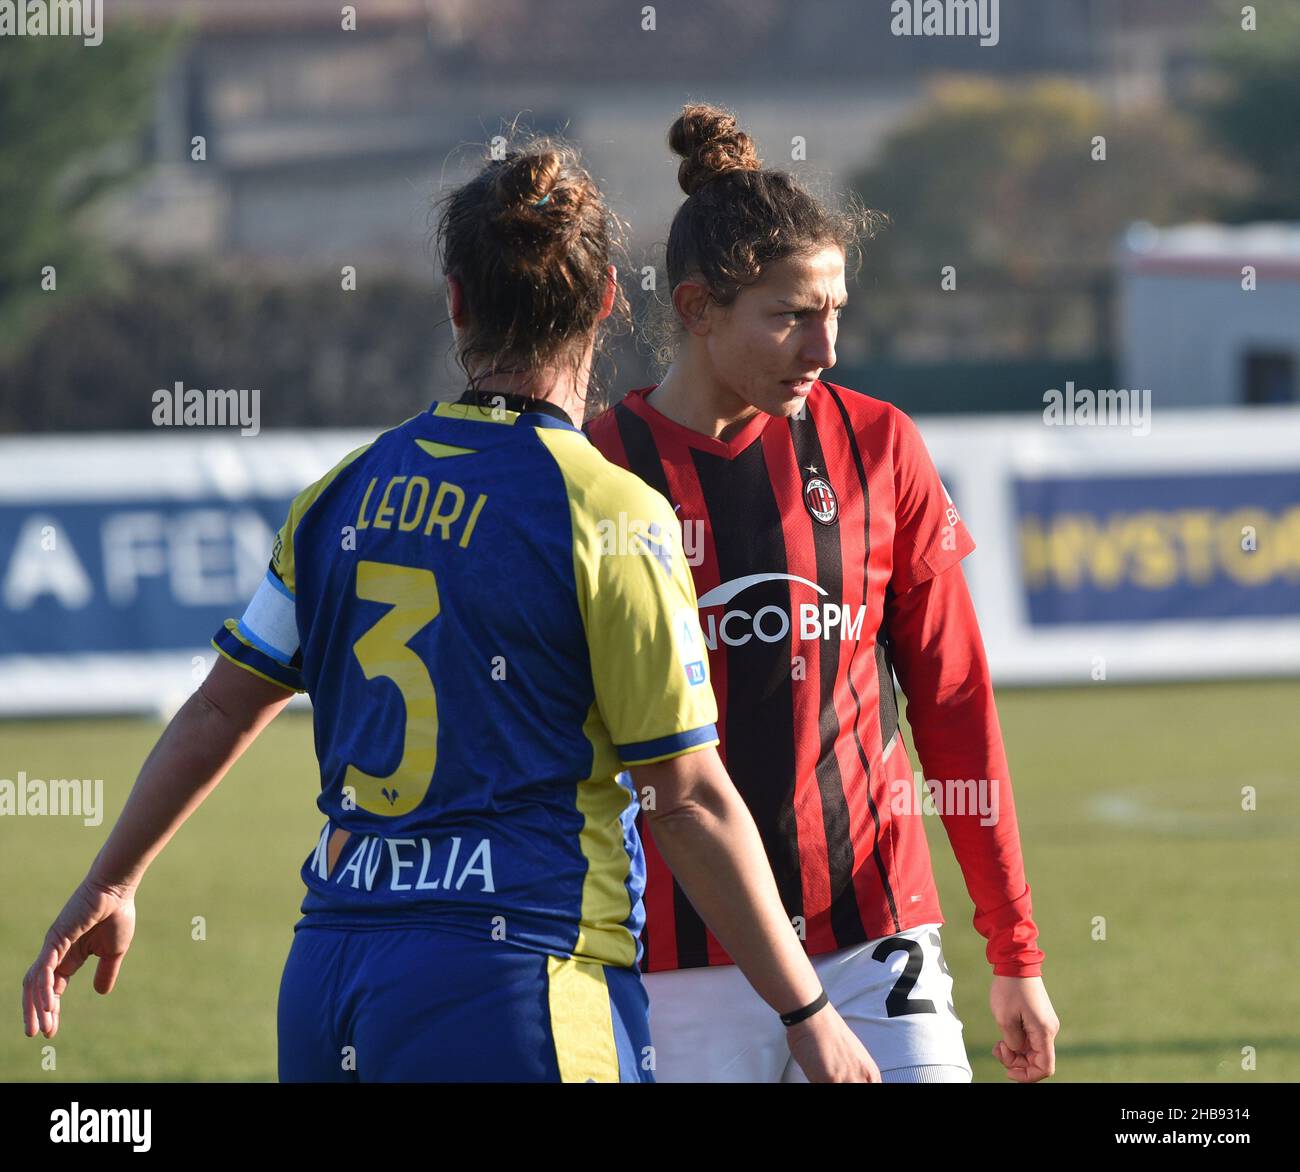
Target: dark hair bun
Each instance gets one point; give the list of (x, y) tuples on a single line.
[(526, 181), (710, 145)]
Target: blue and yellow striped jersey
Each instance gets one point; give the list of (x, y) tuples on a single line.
[(492, 621)]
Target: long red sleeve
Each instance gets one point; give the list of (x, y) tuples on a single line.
[(939, 657)]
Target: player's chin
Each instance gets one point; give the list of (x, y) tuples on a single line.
[(788, 404), (794, 393)]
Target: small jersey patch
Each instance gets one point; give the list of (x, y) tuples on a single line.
[(690, 645)]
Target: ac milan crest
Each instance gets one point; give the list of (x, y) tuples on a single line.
[(820, 498)]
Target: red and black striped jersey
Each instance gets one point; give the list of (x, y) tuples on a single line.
[(801, 534)]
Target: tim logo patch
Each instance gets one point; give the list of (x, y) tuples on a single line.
[(821, 501), (690, 644)]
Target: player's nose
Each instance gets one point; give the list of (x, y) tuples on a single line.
[(819, 346)]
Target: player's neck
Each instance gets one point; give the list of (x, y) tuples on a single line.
[(693, 399), (559, 388)]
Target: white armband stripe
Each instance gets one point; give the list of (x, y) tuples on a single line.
[(270, 623)]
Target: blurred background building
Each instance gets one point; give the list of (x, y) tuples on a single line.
[(319, 148), (323, 144), (1193, 318)]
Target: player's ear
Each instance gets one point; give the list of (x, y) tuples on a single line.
[(611, 293), (692, 302)]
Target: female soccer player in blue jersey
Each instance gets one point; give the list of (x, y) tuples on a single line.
[(826, 557), (483, 664)]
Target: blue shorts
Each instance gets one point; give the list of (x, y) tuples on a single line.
[(423, 1005)]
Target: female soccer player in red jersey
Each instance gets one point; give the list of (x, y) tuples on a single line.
[(826, 555), (515, 957)]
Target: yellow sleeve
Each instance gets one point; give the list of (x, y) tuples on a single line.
[(649, 663)]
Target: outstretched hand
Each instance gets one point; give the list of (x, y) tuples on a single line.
[(96, 921)]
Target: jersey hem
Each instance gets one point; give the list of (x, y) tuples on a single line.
[(665, 748), (248, 668), (344, 921)]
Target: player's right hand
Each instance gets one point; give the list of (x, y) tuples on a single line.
[(828, 1051), (96, 921)]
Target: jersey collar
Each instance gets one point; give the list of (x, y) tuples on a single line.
[(508, 401), (635, 401)]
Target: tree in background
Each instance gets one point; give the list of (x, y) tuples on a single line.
[(71, 121), (1254, 115), (320, 360), (999, 181)]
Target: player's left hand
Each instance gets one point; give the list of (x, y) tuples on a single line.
[(96, 921), (1029, 1027)]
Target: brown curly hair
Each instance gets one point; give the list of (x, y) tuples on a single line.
[(738, 216), (529, 238)]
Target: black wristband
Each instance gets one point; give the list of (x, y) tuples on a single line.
[(789, 1019)]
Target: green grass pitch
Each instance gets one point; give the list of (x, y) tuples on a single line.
[(1130, 806)]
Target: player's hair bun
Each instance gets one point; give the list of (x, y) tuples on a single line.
[(529, 238), (527, 186), (710, 145)]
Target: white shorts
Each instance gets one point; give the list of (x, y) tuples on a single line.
[(895, 994)]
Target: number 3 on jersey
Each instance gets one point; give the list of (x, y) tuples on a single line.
[(383, 651)]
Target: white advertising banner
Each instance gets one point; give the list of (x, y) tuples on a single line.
[(1169, 550)]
